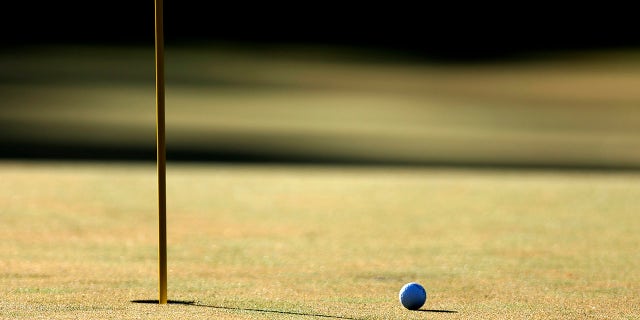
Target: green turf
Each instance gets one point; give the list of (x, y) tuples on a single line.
[(563, 110), (78, 240)]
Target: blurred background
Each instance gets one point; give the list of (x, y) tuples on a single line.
[(323, 83)]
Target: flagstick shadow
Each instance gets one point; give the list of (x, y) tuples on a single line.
[(168, 302), (193, 303)]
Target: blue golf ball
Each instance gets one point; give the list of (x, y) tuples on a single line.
[(413, 296)]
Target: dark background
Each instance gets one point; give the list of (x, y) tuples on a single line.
[(454, 32)]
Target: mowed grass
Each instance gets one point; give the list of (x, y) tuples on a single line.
[(79, 240), (568, 110)]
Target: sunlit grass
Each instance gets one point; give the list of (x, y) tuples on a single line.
[(79, 240), (567, 110)]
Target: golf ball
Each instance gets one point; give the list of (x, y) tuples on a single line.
[(413, 296)]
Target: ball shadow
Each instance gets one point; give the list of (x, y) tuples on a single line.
[(437, 311)]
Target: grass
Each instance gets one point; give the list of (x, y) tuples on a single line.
[(78, 240), (563, 110)]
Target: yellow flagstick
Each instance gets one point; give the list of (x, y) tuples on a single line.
[(161, 156)]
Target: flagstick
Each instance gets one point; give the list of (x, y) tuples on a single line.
[(162, 160)]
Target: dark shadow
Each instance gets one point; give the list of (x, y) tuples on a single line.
[(438, 311), (168, 302), (193, 303), (24, 148)]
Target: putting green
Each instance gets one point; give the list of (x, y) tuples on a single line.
[(78, 240)]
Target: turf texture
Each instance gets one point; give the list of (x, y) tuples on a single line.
[(78, 240)]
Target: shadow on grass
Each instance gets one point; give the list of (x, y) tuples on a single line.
[(193, 303), (168, 302), (437, 311)]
